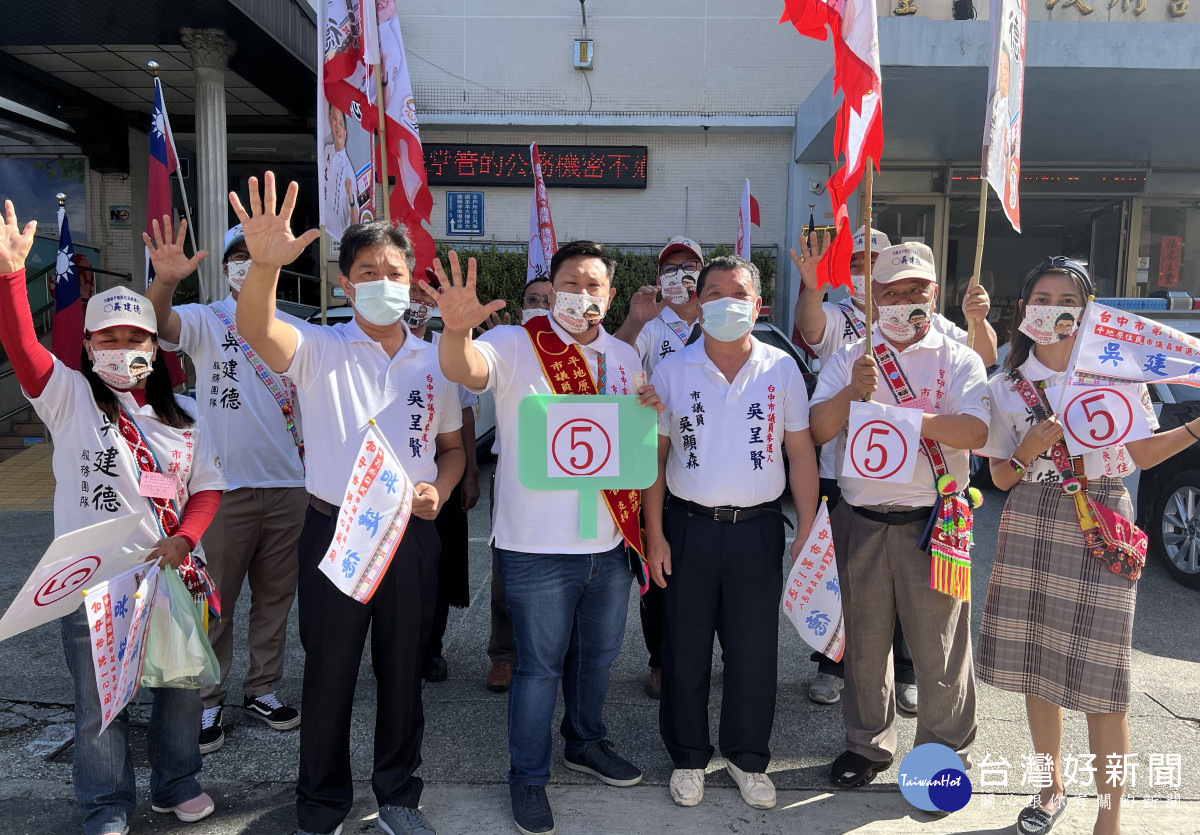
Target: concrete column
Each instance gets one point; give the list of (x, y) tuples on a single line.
[(211, 50)]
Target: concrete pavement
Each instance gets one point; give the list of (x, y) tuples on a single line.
[(465, 751)]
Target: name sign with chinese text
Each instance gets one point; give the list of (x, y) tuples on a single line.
[(464, 213), (587, 443)]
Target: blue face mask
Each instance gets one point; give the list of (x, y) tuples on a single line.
[(381, 302), (727, 320)]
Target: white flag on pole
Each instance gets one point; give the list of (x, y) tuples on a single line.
[(542, 242), (118, 613), (812, 597)]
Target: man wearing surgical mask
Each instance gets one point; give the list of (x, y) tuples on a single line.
[(733, 406), (878, 525), (370, 368), (567, 595), (256, 426)]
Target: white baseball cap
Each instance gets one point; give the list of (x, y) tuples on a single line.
[(119, 306), (878, 240), (233, 237), (679, 243), (902, 261)]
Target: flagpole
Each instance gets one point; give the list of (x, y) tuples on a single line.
[(324, 275), (385, 211), (187, 210), (982, 228), (870, 174)]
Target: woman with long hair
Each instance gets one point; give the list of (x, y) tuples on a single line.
[(114, 422), (1058, 619)]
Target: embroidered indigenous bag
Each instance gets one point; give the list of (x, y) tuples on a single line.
[(1109, 536), (949, 535), (561, 364)]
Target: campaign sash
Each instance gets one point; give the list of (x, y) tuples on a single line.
[(859, 327), (561, 364), (949, 534), (680, 329), (286, 403)]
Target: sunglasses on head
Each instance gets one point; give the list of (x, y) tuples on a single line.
[(1058, 263)]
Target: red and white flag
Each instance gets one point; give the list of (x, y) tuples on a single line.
[(747, 214), (858, 132), (1002, 125), (542, 243)]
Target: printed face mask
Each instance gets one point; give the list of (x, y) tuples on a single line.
[(904, 322), (727, 320), (418, 315), (533, 312), (578, 313), (679, 287), (235, 274), (858, 289), (1046, 324), (122, 368), (381, 302)]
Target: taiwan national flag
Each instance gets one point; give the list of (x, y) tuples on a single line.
[(163, 163), (66, 334)]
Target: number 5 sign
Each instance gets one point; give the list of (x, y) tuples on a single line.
[(587, 443), (882, 442), (1095, 417)]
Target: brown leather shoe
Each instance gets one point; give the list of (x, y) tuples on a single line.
[(499, 677), (653, 686)]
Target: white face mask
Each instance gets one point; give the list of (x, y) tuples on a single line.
[(418, 315), (858, 289), (727, 320), (235, 274), (673, 289), (1046, 324), (381, 302), (533, 313), (897, 322), (578, 313), (124, 367)]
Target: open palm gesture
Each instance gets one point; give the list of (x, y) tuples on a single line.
[(170, 262), (268, 233), (15, 242), (811, 251), (459, 306)]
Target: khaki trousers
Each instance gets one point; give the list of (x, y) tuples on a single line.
[(884, 575), (254, 536)]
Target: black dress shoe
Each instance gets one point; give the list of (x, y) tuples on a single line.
[(605, 764), (851, 770), (434, 669)]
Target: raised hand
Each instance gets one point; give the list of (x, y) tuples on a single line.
[(811, 251), (642, 305), (15, 242), (457, 302), (976, 305), (269, 233), (167, 257)]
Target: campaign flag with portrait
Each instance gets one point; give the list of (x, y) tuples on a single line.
[(374, 514), (542, 242), (1002, 128)]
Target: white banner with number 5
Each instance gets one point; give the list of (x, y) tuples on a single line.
[(583, 440), (1096, 417), (882, 442)]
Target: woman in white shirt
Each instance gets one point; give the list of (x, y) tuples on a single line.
[(113, 422), (1058, 621)]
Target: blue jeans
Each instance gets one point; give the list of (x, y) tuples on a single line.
[(103, 768), (568, 616)]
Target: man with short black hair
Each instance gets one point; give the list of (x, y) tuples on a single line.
[(567, 595)]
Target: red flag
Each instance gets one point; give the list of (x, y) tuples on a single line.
[(542, 241), (748, 208), (163, 162), (859, 129)]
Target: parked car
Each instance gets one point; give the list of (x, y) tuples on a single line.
[(1168, 496)]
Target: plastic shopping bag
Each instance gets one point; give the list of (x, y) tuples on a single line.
[(178, 653)]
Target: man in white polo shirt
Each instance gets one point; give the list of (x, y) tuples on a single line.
[(733, 406), (568, 596), (256, 425), (879, 524), (679, 265), (347, 375)]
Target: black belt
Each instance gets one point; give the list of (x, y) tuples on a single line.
[(732, 515), (896, 517), (323, 507)]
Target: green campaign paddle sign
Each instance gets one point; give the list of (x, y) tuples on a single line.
[(587, 443)]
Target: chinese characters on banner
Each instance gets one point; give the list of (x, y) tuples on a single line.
[(812, 596), (1002, 130), (372, 519), (1119, 346), (1169, 254), (118, 613), (563, 166)]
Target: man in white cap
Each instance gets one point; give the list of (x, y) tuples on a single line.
[(253, 415), (671, 326), (878, 524), (826, 327)]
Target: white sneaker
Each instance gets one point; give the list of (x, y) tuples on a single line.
[(687, 786), (757, 789), (825, 689)]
